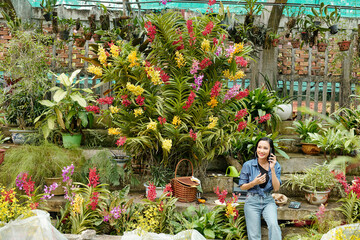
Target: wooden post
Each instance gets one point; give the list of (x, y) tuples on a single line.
[(346, 78)]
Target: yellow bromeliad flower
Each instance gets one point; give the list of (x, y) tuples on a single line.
[(213, 121), (114, 50), (114, 131), (180, 61), (114, 109), (152, 125), (154, 75), (137, 90), (205, 45), (78, 202), (95, 70), (138, 112), (213, 102), (102, 55), (133, 59), (167, 144), (176, 121)]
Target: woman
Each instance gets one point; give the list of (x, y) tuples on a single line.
[(259, 176)]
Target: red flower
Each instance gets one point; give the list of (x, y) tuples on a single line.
[(163, 75), (121, 141), (222, 195), (181, 43), (191, 32), (193, 134), (215, 90), (242, 94), (162, 120), (215, 41), (161, 206), (208, 28), (240, 114), (190, 101), (94, 199), (106, 100), (241, 61), (168, 189), (93, 177), (34, 205), (265, 118), (242, 125), (212, 2), (151, 29), (151, 194), (94, 109), (140, 100), (7, 195), (205, 63)]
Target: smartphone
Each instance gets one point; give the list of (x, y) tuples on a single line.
[(268, 158)]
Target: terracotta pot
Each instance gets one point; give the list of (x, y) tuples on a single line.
[(295, 43), (317, 197), (322, 47), (344, 45), (310, 148)]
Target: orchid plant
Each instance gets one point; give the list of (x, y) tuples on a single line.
[(175, 103)]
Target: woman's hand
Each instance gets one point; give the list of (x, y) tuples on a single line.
[(272, 161), (259, 179)]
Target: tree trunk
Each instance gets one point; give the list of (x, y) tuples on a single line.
[(233, 162), (269, 58)]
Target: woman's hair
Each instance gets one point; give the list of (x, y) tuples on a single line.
[(269, 140)]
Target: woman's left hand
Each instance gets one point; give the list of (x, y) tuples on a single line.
[(272, 161)]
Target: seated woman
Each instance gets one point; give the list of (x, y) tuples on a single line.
[(259, 177)]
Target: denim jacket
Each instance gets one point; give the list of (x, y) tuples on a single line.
[(250, 171)]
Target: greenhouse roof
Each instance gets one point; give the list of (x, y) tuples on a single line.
[(348, 8)]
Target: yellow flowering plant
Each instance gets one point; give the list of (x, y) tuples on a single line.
[(176, 101)]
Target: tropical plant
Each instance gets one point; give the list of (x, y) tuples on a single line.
[(349, 118), (67, 110), (350, 207), (47, 6), (26, 82), (331, 18), (318, 178), (44, 161), (303, 128), (174, 104), (160, 175)]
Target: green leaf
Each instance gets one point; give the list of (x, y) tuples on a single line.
[(63, 79), (47, 103), (59, 118), (71, 79), (51, 122), (59, 95), (79, 99), (84, 119), (209, 233)]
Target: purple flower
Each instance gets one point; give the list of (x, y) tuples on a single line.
[(65, 172), (232, 92), (48, 190), (194, 67), (106, 218), (116, 211), (218, 51), (230, 50), (198, 82)]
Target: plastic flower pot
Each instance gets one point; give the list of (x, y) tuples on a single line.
[(47, 16), (333, 29), (71, 141)]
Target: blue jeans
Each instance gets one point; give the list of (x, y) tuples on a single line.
[(255, 206)]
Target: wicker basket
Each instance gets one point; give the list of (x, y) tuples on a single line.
[(184, 189)]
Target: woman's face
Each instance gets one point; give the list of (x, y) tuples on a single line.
[(263, 149)]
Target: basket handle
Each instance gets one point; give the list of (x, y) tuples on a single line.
[(192, 169)]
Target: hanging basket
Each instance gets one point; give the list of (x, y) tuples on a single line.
[(184, 189)]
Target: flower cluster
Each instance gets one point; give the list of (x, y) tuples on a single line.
[(114, 49), (213, 102), (168, 190), (242, 125), (151, 30), (238, 75), (242, 94), (179, 41), (114, 109), (231, 211), (94, 200), (95, 70), (114, 131), (138, 112), (264, 118), (126, 102), (115, 213), (180, 61), (102, 54), (240, 114), (354, 187), (23, 183), (162, 120), (154, 75), (151, 125), (198, 81), (167, 144), (93, 178), (136, 90), (205, 63), (215, 90), (205, 45), (233, 92), (133, 59), (93, 108), (194, 67), (151, 192), (213, 121), (106, 100), (209, 27), (121, 141), (66, 173), (241, 61), (189, 25), (77, 204), (221, 195), (176, 121), (193, 135), (48, 190), (190, 100), (140, 100)]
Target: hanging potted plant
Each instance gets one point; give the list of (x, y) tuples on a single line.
[(87, 33), (322, 44), (295, 42), (104, 18), (331, 19), (65, 25), (317, 183), (252, 9), (67, 111), (47, 7), (303, 128), (344, 45)]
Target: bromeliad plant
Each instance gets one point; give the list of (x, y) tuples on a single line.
[(175, 103)]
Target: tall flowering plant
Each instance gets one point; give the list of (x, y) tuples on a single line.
[(175, 103)]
